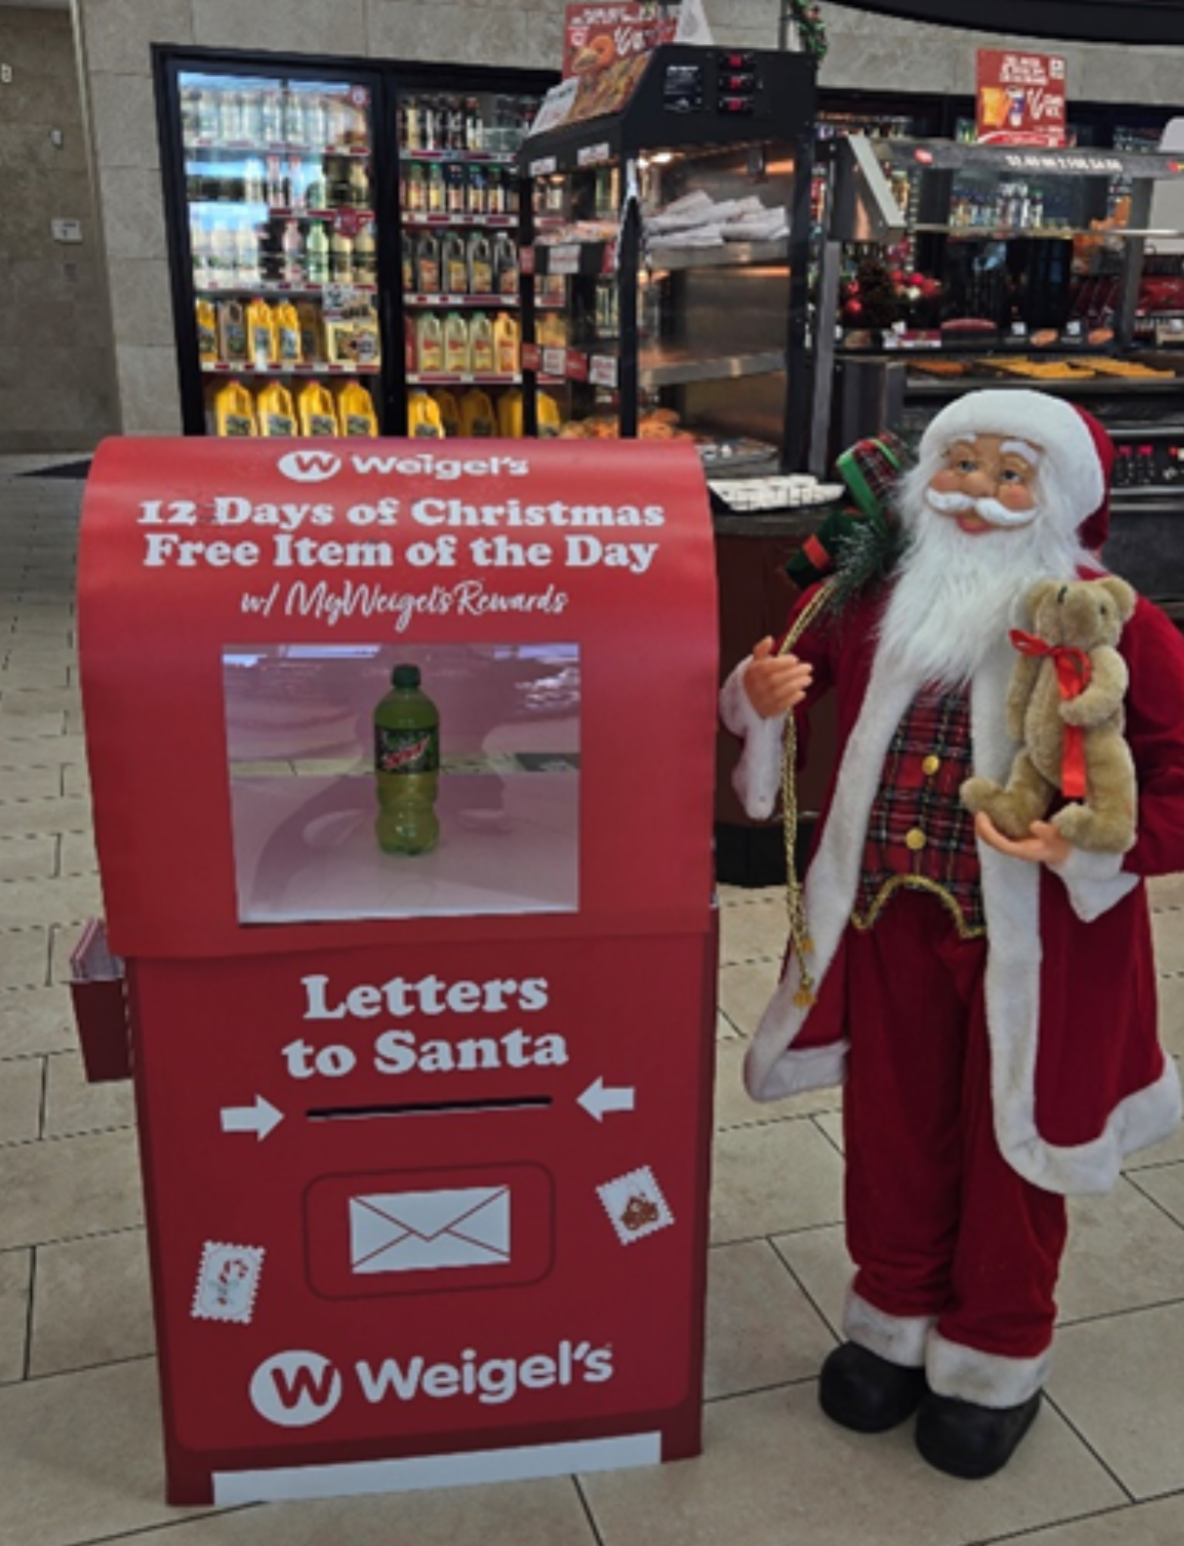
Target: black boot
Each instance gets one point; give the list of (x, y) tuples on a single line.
[(972, 1441), (863, 1391)]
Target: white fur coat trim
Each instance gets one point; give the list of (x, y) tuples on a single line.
[(756, 778), (1011, 900), (988, 1379), (901, 1339)]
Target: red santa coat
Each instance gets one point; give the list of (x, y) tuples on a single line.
[(1078, 1077)]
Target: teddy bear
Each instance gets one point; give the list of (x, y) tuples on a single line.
[(1065, 708)]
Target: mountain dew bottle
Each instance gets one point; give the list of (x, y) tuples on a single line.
[(406, 766)]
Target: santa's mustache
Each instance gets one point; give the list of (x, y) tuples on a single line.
[(990, 510)]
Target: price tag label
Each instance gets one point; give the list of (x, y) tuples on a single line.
[(1074, 330), (602, 371), (891, 340), (1019, 330), (593, 155), (532, 356), (554, 361), (526, 260), (575, 367), (565, 260)]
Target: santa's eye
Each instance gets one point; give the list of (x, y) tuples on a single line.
[(966, 465), (1011, 475)]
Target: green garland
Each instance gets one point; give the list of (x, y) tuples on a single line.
[(810, 25)]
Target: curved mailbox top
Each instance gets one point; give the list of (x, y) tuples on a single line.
[(241, 608)]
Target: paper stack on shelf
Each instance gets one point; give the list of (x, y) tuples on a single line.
[(698, 220)]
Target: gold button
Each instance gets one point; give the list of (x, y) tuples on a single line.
[(930, 766), (915, 839)]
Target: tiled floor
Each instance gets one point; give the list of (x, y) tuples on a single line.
[(79, 1431)]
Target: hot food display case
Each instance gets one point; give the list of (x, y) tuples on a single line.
[(665, 266)]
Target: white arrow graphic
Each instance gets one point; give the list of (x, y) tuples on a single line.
[(599, 1098), (258, 1119)]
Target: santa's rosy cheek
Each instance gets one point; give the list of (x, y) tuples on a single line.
[(947, 481), (1016, 497)]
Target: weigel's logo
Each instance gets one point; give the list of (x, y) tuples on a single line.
[(295, 1390), (309, 466)]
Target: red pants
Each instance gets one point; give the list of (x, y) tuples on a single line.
[(938, 1224)]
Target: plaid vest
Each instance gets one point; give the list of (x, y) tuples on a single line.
[(919, 834)]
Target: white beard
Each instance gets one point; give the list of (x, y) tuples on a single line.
[(955, 593)]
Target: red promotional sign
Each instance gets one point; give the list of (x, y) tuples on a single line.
[(425, 1137), (1021, 98), (598, 36)]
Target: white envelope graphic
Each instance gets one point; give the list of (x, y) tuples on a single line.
[(420, 1231)]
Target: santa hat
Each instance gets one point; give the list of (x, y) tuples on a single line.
[(1077, 450)]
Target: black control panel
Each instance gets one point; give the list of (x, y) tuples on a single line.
[(726, 85), (1143, 462)]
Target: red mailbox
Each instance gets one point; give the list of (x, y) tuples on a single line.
[(425, 1139)]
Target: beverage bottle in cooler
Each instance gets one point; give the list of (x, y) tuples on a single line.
[(477, 418), (455, 191), (271, 116), (456, 264), (295, 266), (506, 343), (337, 122), (246, 254), (435, 190), (365, 257), (449, 411), (358, 184), (230, 117), (316, 123), (509, 414), (312, 343), (274, 409), (409, 124), (478, 190), (480, 264), (456, 344), (474, 127), (495, 192), (408, 260), (297, 184), (317, 254), (234, 410), (505, 264), (427, 264), (208, 120), (341, 258), (261, 335), (429, 345), (252, 114), (204, 273), (317, 411), (289, 345), (482, 356), (423, 416), (232, 332), (207, 332), (406, 765), (355, 410), (417, 189), (255, 181), (294, 119)]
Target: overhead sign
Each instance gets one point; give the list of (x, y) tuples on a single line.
[(1082, 21), (1021, 98)]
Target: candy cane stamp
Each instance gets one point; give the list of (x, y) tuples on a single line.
[(227, 1282)]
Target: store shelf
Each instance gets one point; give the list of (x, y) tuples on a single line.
[(465, 157), (1101, 386), (464, 378), (678, 367), (1004, 233), (729, 255), (284, 211), (280, 288), (320, 369), (270, 148), (436, 220), (463, 302)]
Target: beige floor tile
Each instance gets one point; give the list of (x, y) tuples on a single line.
[(774, 1471), (39, 722), (1168, 932), (23, 817), (77, 853), (725, 1030), (34, 674), (80, 1457), (67, 1187), (21, 1086), (744, 992), (772, 1179), (734, 1107), (92, 1303), (43, 783), (22, 702), (28, 858), (1165, 1185), (542, 1513), (819, 1261), (752, 931), (15, 1281), (1171, 1012), (23, 751), (761, 1328), (76, 781), (1118, 1381), (34, 1019), (1139, 1524), (34, 902), (74, 1106), (24, 958), (1123, 1253), (1166, 891)]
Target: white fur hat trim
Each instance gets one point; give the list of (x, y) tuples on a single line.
[(1040, 420)]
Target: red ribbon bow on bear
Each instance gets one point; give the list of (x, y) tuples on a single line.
[(1073, 673)]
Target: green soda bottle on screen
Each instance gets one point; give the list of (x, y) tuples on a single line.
[(406, 766)]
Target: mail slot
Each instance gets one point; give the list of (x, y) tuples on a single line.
[(425, 1136)]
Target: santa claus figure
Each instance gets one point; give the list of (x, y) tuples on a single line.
[(989, 1004)]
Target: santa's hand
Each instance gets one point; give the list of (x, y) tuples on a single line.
[(775, 683), (1044, 846)]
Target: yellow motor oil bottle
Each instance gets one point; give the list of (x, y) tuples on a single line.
[(549, 417), (505, 342), (477, 419), (355, 410), (509, 414), (261, 335), (423, 417), (274, 409), (232, 332), (318, 416), (234, 410), (207, 332), (449, 411), (288, 341), (481, 351)]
